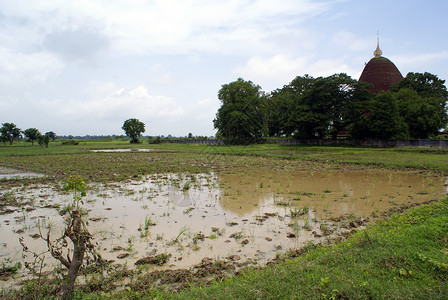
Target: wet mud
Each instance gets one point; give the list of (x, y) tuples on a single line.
[(212, 223)]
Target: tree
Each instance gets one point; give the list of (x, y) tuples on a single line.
[(423, 116), (381, 120), (425, 84), (422, 100), (9, 132), (241, 119), (51, 135), (82, 249), (284, 106), (43, 140), (32, 134), (133, 129), (321, 106)]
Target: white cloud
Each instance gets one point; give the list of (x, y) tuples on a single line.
[(422, 59), (350, 41), (83, 44), (172, 26), (278, 70), (122, 103), (16, 68), (274, 71)]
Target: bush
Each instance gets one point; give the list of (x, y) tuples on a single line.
[(70, 142)]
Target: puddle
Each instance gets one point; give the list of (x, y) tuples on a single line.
[(242, 216), (10, 174), (120, 150)]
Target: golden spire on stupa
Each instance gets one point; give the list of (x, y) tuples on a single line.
[(377, 52)]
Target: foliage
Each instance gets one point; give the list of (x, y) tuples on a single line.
[(9, 132), (70, 142), (32, 134), (241, 119), (323, 107), (43, 140), (133, 129), (51, 135), (156, 140), (381, 120), (316, 107), (425, 84), (423, 116), (77, 186), (9, 267)]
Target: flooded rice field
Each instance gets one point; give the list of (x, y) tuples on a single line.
[(239, 217)]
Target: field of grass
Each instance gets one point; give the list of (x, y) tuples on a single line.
[(60, 161), (402, 257)]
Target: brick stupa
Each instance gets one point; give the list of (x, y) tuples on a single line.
[(380, 72)]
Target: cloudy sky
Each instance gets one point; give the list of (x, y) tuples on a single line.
[(85, 66)]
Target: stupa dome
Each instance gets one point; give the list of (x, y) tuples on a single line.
[(380, 72)]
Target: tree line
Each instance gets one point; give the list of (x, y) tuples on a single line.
[(332, 107), (10, 132)]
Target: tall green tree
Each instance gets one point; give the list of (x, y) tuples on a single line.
[(424, 116), (323, 106), (284, 103), (381, 120), (51, 135), (425, 108), (133, 129), (9, 132), (425, 84), (32, 134), (241, 119)]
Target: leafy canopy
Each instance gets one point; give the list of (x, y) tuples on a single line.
[(9, 132), (133, 129), (241, 119), (32, 134)]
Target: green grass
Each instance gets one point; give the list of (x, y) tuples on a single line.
[(60, 161)]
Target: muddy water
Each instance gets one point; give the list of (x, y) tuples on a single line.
[(253, 216), (10, 173)]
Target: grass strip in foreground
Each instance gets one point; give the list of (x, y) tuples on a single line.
[(404, 257)]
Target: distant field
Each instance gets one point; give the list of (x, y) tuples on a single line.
[(60, 160)]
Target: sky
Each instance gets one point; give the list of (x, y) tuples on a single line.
[(83, 67)]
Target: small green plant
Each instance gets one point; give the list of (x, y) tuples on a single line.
[(77, 186), (295, 212), (188, 210), (8, 267), (237, 235), (186, 186), (307, 224), (282, 202), (149, 223), (181, 232)]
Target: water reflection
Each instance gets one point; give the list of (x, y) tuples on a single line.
[(332, 193), (270, 212)]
